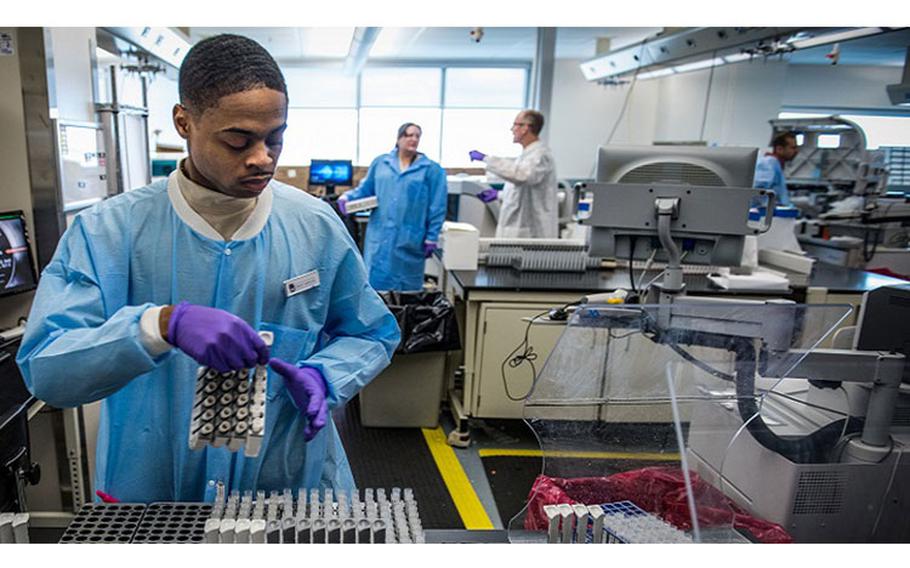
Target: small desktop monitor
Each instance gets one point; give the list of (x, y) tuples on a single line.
[(331, 173), (17, 271), (686, 165)]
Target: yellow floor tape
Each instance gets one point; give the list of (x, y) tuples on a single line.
[(472, 513), (651, 456)]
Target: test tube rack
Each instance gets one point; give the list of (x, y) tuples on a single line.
[(123, 523), (229, 408), (316, 517), (365, 204), (622, 522)]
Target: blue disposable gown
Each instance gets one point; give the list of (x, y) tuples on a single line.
[(411, 209), (770, 175), (132, 252)]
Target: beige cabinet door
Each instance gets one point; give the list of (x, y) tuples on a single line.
[(502, 330)]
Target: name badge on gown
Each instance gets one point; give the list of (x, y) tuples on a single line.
[(302, 283)]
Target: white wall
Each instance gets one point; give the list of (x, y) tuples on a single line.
[(582, 115), (840, 85), (15, 188), (743, 98)]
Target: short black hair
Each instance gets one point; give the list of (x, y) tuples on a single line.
[(223, 65), (780, 139)]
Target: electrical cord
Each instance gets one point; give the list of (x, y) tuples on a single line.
[(704, 118), (526, 355), (625, 102)]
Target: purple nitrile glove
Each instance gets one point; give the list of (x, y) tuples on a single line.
[(488, 195), (428, 249), (308, 389), (215, 338), (477, 156), (342, 205)]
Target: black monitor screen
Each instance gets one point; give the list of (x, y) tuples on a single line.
[(17, 273), (331, 172)]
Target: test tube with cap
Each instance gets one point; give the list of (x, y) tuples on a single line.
[(379, 531), (318, 531), (242, 531), (288, 530), (303, 531), (212, 530), (273, 531), (348, 531), (364, 531), (553, 518), (20, 528), (567, 515), (257, 531), (226, 533), (597, 524), (581, 522), (333, 531)]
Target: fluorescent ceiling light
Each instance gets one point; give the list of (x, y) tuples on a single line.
[(737, 57), (655, 74), (698, 65), (834, 37), (166, 44)]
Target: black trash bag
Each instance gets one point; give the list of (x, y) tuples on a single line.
[(427, 321)]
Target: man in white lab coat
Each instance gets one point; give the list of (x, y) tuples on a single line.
[(529, 199)]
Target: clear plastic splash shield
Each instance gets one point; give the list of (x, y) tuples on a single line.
[(631, 391)]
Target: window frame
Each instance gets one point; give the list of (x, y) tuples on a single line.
[(443, 66)]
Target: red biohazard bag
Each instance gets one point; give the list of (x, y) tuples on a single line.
[(658, 490)]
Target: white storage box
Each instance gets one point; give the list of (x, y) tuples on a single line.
[(460, 244)]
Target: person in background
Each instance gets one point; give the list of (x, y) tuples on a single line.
[(529, 199), (147, 286), (769, 170), (403, 230)]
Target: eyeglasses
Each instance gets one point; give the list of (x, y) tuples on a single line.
[(514, 124)]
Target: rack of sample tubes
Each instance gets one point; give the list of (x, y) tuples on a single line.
[(611, 523), (365, 204), (14, 528), (229, 408), (125, 523), (541, 255), (316, 517)]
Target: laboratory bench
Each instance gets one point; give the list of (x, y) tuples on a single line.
[(495, 305)]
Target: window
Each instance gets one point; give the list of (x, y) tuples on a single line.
[(485, 88), (400, 86), (828, 141), (319, 133), (321, 88), (486, 130), (333, 115), (379, 128)]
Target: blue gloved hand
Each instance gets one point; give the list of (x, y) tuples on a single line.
[(215, 338), (342, 205), (488, 195), (308, 389), (476, 156), (428, 249)]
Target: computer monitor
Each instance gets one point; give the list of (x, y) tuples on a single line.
[(710, 187), (331, 173), (685, 165), (17, 272)]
